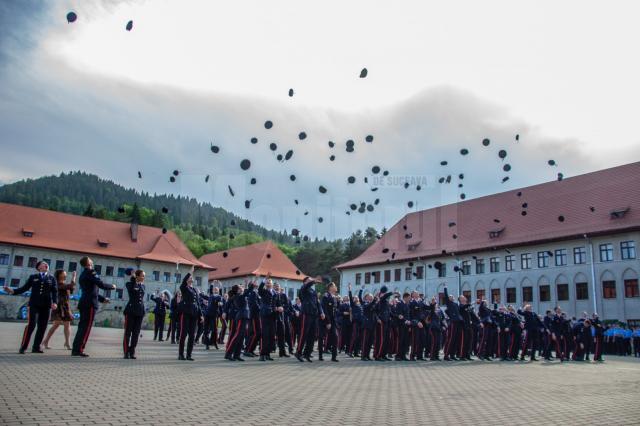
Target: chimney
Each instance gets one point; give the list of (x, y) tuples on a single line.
[(134, 232)]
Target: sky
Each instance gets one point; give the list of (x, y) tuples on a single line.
[(442, 76)]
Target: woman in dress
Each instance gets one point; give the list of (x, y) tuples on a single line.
[(62, 315)]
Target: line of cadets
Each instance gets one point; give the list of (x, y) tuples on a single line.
[(384, 325)]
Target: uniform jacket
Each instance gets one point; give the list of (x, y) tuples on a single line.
[(44, 291), (329, 308), (135, 305), (453, 310), (90, 282), (309, 299), (190, 303)]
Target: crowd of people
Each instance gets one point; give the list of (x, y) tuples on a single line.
[(384, 326)]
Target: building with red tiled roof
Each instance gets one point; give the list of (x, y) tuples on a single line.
[(250, 262), (570, 243), (29, 234)]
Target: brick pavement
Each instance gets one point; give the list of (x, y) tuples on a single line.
[(55, 388)]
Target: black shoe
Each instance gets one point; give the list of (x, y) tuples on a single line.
[(21, 351), (190, 359), (298, 357), (364, 359), (132, 356), (37, 351), (237, 358), (286, 355), (228, 356), (181, 357), (533, 359), (249, 354), (320, 358), (334, 360), (308, 359), (206, 348), (160, 340), (268, 357), (262, 358), (126, 356)]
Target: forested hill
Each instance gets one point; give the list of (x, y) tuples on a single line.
[(74, 192), (201, 226)]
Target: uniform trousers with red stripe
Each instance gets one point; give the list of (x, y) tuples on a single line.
[(381, 340), (37, 315), (87, 316), (132, 325), (268, 334), (308, 331), (188, 326), (236, 337)]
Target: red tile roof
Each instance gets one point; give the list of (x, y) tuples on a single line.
[(80, 234), (255, 259), (572, 198)]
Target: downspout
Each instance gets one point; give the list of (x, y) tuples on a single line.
[(593, 274)]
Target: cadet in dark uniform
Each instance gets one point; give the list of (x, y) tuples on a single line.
[(238, 298), (369, 323), (598, 338), (417, 317), (253, 328), (267, 318), (435, 320), (211, 318), (310, 311), (381, 336), (133, 314), (281, 301), (190, 314), (454, 335), (531, 325), (404, 327), (88, 305), (357, 325), (160, 314), (488, 326), (346, 325), (174, 318), (44, 297), (329, 324)]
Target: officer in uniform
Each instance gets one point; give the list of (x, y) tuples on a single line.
[(404, 327), (190, 315), (174, 318), (133, 314), (89, 303), (281, 302), (417, 316), (238, 299), (44, 297), (357, 325), (211, 318), (268, 311), (329, 324), (434, 319), (598, 337), (160, 313), (454, 334), (381, 336), (310, 311)]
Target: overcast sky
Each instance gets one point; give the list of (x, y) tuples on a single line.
[(442, 76)]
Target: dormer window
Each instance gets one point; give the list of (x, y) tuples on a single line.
[(103, 243), (495, 233), (27, 232), (413, 246), (618, 213)]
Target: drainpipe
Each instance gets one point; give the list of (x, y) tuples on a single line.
[(424, 279), (593, 274)]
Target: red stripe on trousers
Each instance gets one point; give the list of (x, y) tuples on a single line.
[(235, 336), (301, 341), (86, 334), (26, 330)]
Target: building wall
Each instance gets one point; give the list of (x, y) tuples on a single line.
[(15, 276), (618, 270)]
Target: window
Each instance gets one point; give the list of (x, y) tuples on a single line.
[(563, 291), (98, 269), (560, 257), (511, 295), (72, 266), (397, 274), (631, 288), (367, 277), (166, 277), (543, 259), (119, 293), (4, 259), (441, 298), (107, 293), (199, 281), (579, 255), (495, 295), (59, 264), (15, 282), (1, 281), (47, 261), (358, 278), (609, 289), (480, 294), (407, 274), (387, 275), (442, 272), (466, 267), (606, 252), (467, 294), (582, 291), (156, 275), (628, 250), (525, 261), (32, 262), (494, 264), (527, 294), (376, 277), (179, 278), (479, 266), (121, 272), (509, 263), (109, 271), (420, 272), (18, 260), (545, 293)]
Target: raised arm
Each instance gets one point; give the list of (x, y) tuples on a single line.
[(22, 289)]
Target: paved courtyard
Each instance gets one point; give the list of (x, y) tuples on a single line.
[(55, 388)]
